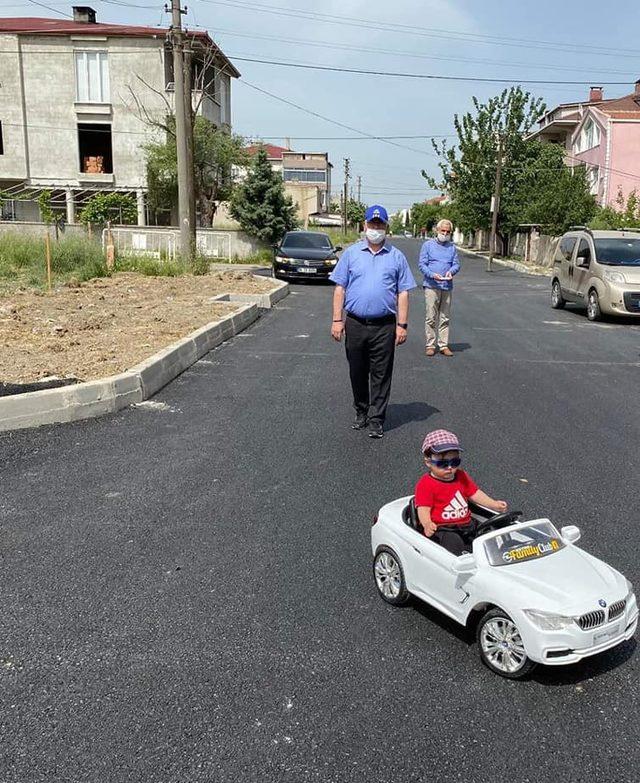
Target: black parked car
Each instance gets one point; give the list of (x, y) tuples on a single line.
[(305, 254)]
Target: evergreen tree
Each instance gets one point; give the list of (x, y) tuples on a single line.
[(260, 205)]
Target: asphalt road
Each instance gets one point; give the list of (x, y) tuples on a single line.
[(187, 592)]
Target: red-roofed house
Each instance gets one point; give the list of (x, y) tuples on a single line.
[(602, 134), (72, 98), (306, 176)]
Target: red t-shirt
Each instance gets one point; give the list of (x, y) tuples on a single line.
[(446, 499)]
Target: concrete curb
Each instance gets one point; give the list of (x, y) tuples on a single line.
[(111, 394), (526, 269), (265, 301)]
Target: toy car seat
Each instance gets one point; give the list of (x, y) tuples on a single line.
[(410, 516)]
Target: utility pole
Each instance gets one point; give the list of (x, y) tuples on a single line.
[(188, 117), (495, 206), (359, 184), (181, 129), (345, 197)]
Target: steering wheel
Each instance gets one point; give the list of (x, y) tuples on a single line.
[(498, 521)]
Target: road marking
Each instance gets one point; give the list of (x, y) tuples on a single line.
[(514, 329), (568, 361)]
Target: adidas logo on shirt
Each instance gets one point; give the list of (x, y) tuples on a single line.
[(457, 507)]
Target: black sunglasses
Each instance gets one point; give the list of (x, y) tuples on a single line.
[(454, 462)]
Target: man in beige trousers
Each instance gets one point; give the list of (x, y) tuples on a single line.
[(438, 264)]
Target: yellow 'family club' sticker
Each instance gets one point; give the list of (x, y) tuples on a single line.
[(531, 550)]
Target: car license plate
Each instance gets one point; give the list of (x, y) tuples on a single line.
[(598, 638), (306, 270)]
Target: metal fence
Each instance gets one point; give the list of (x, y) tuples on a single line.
[(163, 243)]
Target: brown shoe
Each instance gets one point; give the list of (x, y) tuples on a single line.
[(430, 351), (446, 351)]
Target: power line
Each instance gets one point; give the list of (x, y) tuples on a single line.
[(49, 8), (436, 77), (424, 32), (399, 53), (333, 122)]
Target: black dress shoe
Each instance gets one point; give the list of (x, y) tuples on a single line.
[(375, 430), (360, 423)]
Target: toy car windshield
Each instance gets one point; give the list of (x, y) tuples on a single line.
[(526, 543)]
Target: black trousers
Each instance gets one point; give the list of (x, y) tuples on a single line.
[(456, 539), (370, 350)]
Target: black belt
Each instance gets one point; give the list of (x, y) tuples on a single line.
[(384, 319)]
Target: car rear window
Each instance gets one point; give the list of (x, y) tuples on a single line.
[(618, 252), (308, 241), (526, 543)]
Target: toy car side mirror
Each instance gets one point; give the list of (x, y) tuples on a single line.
[(464, 564), (570, 533)]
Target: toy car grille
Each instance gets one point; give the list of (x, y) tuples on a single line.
[(617, 608), (591, 619)]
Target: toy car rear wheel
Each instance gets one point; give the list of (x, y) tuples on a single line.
[(557, 300), (389, 577), (501, 646)]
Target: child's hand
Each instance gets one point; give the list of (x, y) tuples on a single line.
[(501, 506), (429, 529)]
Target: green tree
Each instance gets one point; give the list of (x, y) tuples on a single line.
[(215, 154), (627, 214), (355, 212), (468, 169), (396, 224), (46, 211), (425, 216), (103, 207), (549, 193), (260, 205)]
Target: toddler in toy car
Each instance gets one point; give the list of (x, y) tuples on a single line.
[(441, 495)]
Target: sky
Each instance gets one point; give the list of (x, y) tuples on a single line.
[(572, 41)]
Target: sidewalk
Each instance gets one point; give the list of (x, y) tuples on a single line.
[(519, 266)]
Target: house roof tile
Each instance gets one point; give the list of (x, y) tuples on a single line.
[(29, 25), (273, 151)]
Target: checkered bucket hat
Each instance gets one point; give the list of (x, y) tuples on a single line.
[(439, 441)]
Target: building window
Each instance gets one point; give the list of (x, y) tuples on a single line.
[(92, 77), (94, 144), (589, 137), (305, 175), (1, 141), (592, 178)]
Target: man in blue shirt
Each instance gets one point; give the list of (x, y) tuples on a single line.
[(438, 263), (372, 280)]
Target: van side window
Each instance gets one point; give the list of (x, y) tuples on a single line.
[(565, 248), (583, 256)]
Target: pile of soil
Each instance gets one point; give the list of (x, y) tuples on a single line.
[(84, 331)]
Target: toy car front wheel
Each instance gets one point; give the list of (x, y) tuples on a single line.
[(389, 576), (501, 646)]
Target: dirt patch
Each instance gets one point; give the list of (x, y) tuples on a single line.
[(107, 325)]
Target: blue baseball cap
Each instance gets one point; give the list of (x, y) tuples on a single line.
[(376, 211)]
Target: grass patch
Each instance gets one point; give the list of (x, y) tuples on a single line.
[(336, 235), (23, 260)]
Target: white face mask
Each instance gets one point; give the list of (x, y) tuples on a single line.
[(443, 237), (375, 235)]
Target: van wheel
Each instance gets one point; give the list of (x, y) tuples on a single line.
[(557, 300), (593, 306)]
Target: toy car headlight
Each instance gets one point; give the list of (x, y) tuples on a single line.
[(630, 594), (614, 277), (546, 621)]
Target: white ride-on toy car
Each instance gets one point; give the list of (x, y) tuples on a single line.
[(535, 596)]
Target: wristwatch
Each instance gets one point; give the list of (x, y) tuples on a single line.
[(402, 326)]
